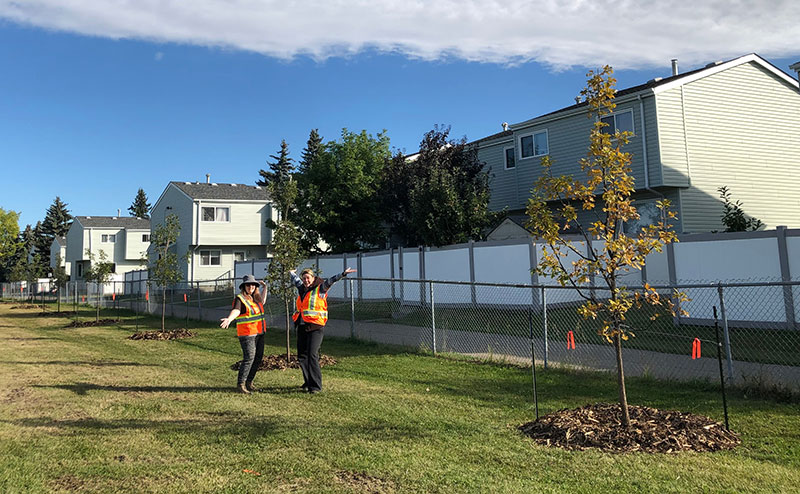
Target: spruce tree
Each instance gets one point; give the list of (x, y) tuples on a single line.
[(277, 178), (305, 217), (57, 220), (140, 207)]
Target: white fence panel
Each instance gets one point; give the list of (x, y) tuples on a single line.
[(449, 265), (727, 260), (503, 264)]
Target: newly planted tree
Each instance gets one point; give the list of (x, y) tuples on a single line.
[(603, 193), (164, 262), (60, 278), (99, 273)]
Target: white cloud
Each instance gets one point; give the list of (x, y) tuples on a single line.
[(623, 33)]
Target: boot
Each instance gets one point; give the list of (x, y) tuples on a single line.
[(243, 389)]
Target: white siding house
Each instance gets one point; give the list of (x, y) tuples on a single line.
[(220, 224), (59, 247), (734, 124), (120, 238)]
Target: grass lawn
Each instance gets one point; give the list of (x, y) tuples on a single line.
[(88, 410)]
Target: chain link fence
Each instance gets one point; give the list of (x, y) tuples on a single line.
[(756, 327)]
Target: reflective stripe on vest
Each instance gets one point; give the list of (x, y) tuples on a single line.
[(314, 309), (251, 322)]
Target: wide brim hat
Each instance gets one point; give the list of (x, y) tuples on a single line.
[(248, 279)]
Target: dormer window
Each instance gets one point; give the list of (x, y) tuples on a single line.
[(216, 214)]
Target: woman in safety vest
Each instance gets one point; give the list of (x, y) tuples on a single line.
[(310, 318), (248, 312)]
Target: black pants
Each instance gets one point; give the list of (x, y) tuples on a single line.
[(252, 353), (308, 343)]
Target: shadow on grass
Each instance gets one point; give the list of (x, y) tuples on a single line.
[(33, 338), (83, 388), (79, 362)]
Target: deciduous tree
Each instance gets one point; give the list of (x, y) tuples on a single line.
[(164, 263), (99, 273), (605, 190)]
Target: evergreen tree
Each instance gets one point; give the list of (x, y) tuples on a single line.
[(305, 217), (140, 207), (276, 180), (57, 220), (41, 245)]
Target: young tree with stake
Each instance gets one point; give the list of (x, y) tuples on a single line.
[(164, 265), (99, 272)]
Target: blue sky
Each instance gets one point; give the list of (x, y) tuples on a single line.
[(94, 106)]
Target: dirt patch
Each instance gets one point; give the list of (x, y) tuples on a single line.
[(361, 482), (27, 306), (16, 394), (279, 362), (57, 314), (651, 430), (68, 483), (89, 324), (173, 334)]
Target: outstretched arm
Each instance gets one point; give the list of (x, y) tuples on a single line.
[(226, 321), (333, 279), (296, 281)]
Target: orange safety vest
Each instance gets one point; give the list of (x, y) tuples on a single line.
[(314, 308), (251, 322)]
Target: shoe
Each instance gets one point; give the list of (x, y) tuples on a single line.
[(250, 387), (314, 391), (304, 388), (243, 389)]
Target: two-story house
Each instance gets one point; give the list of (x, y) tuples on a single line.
[(124, 240), (220, 224), (59, 248), (734, 124)]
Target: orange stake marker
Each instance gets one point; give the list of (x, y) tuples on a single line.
[(147, 295), (696, 349), (113, 296), (184, 297), (570, 340)]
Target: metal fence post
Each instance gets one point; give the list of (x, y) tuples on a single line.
[(544, 325), (352, 311), (726, 333), (433, 320)]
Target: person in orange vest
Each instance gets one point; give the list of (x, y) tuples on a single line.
[(310, 317), (248, 312)]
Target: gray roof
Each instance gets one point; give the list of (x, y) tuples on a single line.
[(237, 192), (62, 241), (127, 222)]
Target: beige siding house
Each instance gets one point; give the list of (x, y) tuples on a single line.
[(122, 239), (220, 224), (734, 124)]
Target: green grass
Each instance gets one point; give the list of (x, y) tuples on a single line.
[(89, 410)]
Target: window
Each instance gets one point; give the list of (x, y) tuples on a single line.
[(216, 214), (80, 269), (532, 145), (210, 258), (238, 256), (622, 121), (108, 238), (145, 237), (509, 152)]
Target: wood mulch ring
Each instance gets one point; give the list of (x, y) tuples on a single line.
[(89, 324), (26, 306), (278, 362), (174, 334), (651, 430), (62, 313)]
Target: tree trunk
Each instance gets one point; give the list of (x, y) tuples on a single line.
[(288, 347), (58, 297), (97, 299), (623, 397), (163, 306)]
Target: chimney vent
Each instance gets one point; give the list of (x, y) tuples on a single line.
[(674, 66), (208, 178), (118, 211), (505, 126)]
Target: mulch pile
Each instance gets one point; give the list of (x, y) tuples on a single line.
[(651, 430), (26, 306), (88, 324), (174, 334), (57, 314), (278, 362)]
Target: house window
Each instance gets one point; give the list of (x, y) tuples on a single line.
[(238, 256), (210, 258), (533, 145), (80, 270), (216, 214), (145, 237), (108, 238), (509, 153), (622, 122)]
